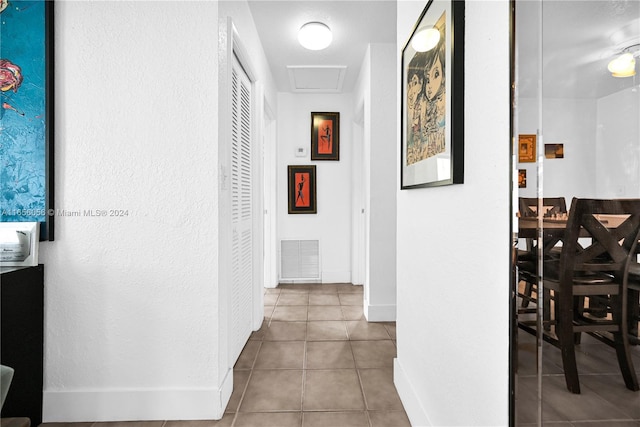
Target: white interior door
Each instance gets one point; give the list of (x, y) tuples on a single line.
[(241, 212)]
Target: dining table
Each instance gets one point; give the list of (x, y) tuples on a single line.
[(552, 229)]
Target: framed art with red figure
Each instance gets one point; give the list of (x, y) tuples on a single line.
[(325, 136), (302, 189)]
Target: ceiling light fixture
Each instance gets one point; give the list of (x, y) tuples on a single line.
[(625, 64), (425, 39), (315, 36)]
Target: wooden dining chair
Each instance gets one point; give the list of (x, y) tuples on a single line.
[(527, 258), (528, 206), (632, 275), (600, 238)]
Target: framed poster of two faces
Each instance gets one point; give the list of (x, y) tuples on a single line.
[(432, 122)]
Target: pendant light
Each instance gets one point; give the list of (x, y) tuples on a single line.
[(625, 64)]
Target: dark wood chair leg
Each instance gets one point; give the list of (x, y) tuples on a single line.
[(528, 287), (626, 362), (566, 337), (570, 367), (546, 309), (621, 342)]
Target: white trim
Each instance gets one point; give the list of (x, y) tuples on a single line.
[(257, 171), (380, 312), (241, 52), (358, 250), (410, 400), (270, 197), (336, 276), (136, 405)]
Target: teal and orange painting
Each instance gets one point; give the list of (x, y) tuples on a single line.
[(23, 127)]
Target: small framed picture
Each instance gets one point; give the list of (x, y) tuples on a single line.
[(554, 151), (325, 136), (302, 189), (522, 178), (526, 148)]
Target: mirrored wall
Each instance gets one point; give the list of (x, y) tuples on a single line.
[(577, 136)]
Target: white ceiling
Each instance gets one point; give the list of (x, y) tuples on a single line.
[(580, 38), (354, 25)]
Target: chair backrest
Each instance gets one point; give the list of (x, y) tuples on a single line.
[(599, 237), (528, 206)]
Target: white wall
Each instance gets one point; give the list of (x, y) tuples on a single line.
[(601, 154), (453, 249), (332, 224), (132, 303), (571, 122), (617, 172), (130, 316), (377, 93)]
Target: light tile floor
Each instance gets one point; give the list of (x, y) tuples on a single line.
[(316, 362)]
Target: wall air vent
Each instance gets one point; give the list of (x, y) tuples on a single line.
[(299, 260)]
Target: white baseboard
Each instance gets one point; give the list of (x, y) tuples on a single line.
[(326, 277), (137, 405), (336, 277), (410, 400), (380, 313)]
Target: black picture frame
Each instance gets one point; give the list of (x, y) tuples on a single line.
[(325, 136), (302, 189), (432, 109), (28, 109)]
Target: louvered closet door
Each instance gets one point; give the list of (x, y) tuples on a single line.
[(241, 214)]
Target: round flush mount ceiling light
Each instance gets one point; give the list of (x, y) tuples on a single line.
[(425, 40), (315, 36)]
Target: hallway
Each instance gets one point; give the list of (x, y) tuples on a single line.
[(316, 362)]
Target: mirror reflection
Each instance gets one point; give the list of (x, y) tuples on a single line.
[(577, 154)]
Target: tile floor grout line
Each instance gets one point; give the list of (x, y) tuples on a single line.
[(368, 415), (355, 365), (304, 364)]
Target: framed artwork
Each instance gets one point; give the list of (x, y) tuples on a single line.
[(526, 148), (554, 151), (26, 134), (432, 106), (302, 189), (522, 178), (325, 136)]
